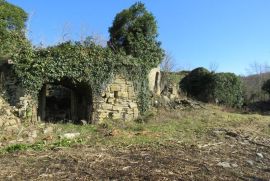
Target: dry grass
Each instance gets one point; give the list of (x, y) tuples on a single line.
[(171, 145)]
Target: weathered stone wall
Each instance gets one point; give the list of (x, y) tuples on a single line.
[(169, 85), (14, 94), (9, 86), (8, 121), (118, 101), (154, 80)]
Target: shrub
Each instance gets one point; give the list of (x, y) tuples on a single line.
[(12, 29), (227, 89), (266, 86), (197, 83), (224, 88)]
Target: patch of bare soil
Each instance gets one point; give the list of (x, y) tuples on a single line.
[(225, 156)]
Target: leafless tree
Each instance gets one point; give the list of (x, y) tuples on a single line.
[(84, 31), (28, 25), (213, 66), (98, 39), (167, 65), (66, 32), (257, 74), (258, 68)]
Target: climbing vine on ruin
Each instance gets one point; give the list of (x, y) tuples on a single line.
[(81, 62), (132, 51)]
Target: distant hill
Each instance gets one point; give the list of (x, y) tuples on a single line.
[(252, 87)]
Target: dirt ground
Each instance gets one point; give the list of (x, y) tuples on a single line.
[(224, 156), (204, 144)]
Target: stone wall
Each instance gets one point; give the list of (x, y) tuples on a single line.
[(118, 101), (8, 121), (9, 86), (154, 80), (13, 93), (169, 85)]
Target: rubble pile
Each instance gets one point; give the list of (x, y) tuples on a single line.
[(177, 103), (8, 121)]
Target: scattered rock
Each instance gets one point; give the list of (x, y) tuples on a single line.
[(8, 121), (83, 122), (33, 134), (250, 162), (218, 132), (260, 155), (31, 140), (234, 165), (166, 99), (224, 164), (1, 122), (176, 103), (126, 168), (231, 134), (12, 142), (20, 140), (48, 130), (11, 129), (70, 135), (48, 138), (8, 112), (46, 175)]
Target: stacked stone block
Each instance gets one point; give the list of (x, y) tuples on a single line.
[(118, 101)]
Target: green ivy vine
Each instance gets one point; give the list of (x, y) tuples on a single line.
[(83, 62)]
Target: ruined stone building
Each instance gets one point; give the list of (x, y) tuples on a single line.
[(73, 103)]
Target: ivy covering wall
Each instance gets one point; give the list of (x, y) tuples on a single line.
[(84, 62), (81, 63)]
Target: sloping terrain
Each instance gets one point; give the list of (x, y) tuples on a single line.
[(205, 144)]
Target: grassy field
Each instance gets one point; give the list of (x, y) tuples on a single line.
[(203, 144)]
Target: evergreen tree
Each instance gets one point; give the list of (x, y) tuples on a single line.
[(134, 32)]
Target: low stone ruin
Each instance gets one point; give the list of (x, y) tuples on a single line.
[(64, 101), (176, 103), (9, 122)]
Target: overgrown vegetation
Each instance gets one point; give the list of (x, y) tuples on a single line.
[(198, 84), (195, 141), (222, 88), (132, 52), (266, 86), (161, 128), (134, 32), (227, 89), (12, 29), (41, 145)]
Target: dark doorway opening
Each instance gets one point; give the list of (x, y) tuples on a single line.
[(156, 82), (65, 101)]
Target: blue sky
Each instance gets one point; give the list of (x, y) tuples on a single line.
[(229, 33)]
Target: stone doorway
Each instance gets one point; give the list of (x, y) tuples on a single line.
[(65, 102)]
